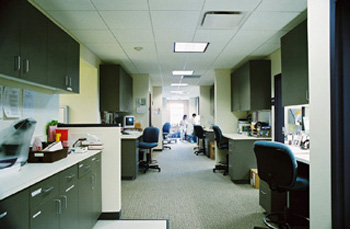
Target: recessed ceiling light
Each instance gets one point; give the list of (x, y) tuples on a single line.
[(138, 48), (176, 92), (190, 46), (182, 72), (179, 84)]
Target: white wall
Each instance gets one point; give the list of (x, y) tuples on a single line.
[(319, 85), (46, 106), (141, 90), (157, 117), (204, 106)]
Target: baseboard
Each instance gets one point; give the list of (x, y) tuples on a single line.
[(128, 177), (158, 150), (110, 215)]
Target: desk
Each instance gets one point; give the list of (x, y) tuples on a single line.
[(241, 156), (130, 155)]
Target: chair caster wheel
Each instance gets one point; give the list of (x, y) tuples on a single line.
[(213, 170), (159, 170)]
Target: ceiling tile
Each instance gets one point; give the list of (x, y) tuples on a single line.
[(215, 36), (121, 4), (79, 20), (171, 36), (268, 20), (127, 19), (285, 5), (65, 5), (265, 50), (230, 5), (133, 36), (94, 36), (193, 5), (175, 20), (107, 51), (257, 36)]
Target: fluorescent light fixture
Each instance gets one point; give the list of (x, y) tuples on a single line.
[(182, 72), (190, 46), (221, 20), (176, 92), (179, 84)]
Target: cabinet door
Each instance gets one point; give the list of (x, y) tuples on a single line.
[(72, 55), (33, 44), (97, 193), (10, 62), (125, 91), (294, 59), (14, 211), (56, 57), (46, 215), (85, 202), (235, 104), (244, 88)]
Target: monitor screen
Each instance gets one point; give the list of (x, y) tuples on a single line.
[(129, 121)]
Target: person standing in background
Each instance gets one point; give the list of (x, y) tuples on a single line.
[(183, 127), (191, 121)]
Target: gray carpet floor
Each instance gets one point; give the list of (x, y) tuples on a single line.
[(190, 195)]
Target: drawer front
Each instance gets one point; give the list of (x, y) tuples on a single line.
[(84, 167), (96, 160), (68, 178), (43, 191), (46, 215)]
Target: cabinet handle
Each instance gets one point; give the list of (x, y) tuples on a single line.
[(17, 63), (70, 188), (87, 167), (70, 81), (59, 208), (262, 192), (70, 177), (66, 81), (2, 215), (26, 68), (36, 214), (65, 201), (48, 189), (307, 95)]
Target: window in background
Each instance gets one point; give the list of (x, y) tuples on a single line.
[(176, 112)]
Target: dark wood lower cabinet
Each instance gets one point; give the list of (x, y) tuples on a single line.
[(69, 199), (13, 213)]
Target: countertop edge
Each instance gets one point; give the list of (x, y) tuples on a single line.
[(32, 173)]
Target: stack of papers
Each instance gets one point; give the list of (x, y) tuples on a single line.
[(54, 147), (93, 145)]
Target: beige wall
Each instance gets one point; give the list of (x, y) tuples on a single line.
[(320, 134), (84, 107), (141, 83), (204, 106), (157, 117)]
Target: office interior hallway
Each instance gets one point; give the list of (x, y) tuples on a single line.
[(189, 194)]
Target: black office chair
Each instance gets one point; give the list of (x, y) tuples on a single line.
[(278, 167), (166, 136), (223, 145), (150, 140), (199, 133)]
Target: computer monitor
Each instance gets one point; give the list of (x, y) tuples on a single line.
[(129, 121)]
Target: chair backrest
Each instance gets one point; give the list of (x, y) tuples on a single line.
[(218, 135), (198, 131), (276, 164), (166, 127), (150, 134)]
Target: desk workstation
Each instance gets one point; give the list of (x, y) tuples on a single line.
[(130, 155)]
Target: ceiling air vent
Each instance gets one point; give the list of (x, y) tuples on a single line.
[(191, 76), (221, 19)]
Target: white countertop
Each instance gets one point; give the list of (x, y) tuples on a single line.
[(132, 135), (243, 137), (300, 154), (32, 173)]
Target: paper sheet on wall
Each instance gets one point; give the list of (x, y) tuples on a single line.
[(1, 115), (28, 104), (11, 102)]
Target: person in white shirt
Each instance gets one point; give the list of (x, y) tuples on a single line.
[(183, 127), (191, 121)]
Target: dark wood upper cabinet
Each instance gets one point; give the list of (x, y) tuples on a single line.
[(115, 89), (251, 86), (295, 77)]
